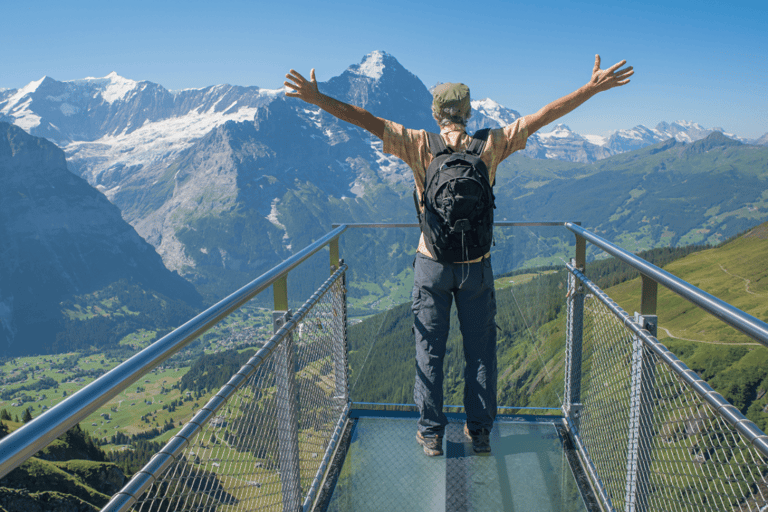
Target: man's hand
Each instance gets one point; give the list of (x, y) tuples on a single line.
[(602, 80), (302, 88)]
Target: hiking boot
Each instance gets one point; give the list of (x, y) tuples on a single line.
[(481, 442), (433, 445)]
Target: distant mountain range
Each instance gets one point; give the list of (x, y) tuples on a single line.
[(226, 181), (135, 123)]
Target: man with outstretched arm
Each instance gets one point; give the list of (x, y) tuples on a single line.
[(470, 282)]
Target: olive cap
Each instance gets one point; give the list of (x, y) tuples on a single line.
[(451, 100)]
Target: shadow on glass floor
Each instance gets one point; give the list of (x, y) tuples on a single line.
[(386, 470)]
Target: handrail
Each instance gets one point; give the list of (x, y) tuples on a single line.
[(503, 223), (743, 322), (41, 431)]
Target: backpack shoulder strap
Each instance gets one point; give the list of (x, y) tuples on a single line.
[(436, 144), (477, 145)]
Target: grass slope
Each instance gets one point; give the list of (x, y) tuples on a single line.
[(70, 474)]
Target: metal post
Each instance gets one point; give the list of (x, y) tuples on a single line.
[(280, 294), (574, 336), (334, 249), (341, 369), (639, 449), (287, 418), (648, 298), (581, 253)]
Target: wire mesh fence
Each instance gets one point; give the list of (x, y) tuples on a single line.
[(261, 442), (654, 441), (605, 394)]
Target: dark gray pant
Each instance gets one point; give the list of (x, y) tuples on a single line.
[(435, 285)]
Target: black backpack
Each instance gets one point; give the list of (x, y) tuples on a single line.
[(456, 217)]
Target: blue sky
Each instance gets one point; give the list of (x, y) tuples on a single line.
[(700, 61)]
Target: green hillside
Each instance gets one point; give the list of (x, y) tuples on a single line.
[(736, 272), (104, 317), (532, 330), (70, 474)]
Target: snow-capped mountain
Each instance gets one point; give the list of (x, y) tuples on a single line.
[(487, 113), (635, 138), (113, 126), (113, 106), (113, 123), (382, 85), (564, 144)]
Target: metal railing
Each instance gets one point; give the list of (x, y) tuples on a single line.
[(652, 434)]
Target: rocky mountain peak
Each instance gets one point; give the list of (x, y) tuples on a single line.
[(560, 131), (383, 86), (374, 64), (715, 140), (112, 87), (380, 69), (21, 154), (487, 113)]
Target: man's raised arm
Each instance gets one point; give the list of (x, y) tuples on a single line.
[(601, 80), (307, 90)]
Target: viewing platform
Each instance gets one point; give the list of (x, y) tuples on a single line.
[(634, 429), (528, 467)]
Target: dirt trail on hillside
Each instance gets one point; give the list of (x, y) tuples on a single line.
[(746, 281)]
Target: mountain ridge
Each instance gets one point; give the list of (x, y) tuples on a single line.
[(61, 237)]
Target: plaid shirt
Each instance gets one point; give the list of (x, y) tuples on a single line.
[(412, 147)]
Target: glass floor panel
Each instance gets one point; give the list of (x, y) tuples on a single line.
[(385, 469)]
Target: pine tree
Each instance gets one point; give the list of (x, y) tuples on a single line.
[(27, 416)]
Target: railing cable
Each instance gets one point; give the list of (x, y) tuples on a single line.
[(535, 340), (375, 339), (527, 326)]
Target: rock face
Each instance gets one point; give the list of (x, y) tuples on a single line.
[(762, 141), (60, 237)]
